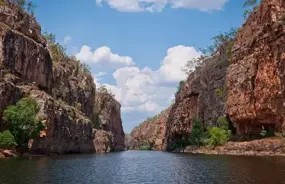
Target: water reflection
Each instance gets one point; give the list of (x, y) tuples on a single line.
[(143, 167)]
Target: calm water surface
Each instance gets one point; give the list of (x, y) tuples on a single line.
[(132, 167)]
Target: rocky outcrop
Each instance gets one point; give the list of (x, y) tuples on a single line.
[(256, 75), (73, 85), (103, 141), (64, 90), (150, 133), (201, 95), (108, 111)]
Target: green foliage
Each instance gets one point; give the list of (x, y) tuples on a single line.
[(7, 140), (197, 133), (22, 121), (218, 136), (2, 3), (249, 6), (222, 41), (95, 117), (145, 147), (57, 51), (181, 83), (220, 93), (191, 65), (27, 5), (86, 68)]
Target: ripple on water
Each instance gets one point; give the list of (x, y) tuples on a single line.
[(145, 167)]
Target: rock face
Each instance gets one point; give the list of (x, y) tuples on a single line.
[(199, 96), (103, 141), (255, 77), (150, 133), (109, 114), (64, 90)]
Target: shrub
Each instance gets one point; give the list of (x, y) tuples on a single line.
[(86, 68), (181, 83), (220, 93), (2, 3), (249, 6), (218, 136), (7, 140), (145, 147), (57, 51), (22, 122), (196, 134)]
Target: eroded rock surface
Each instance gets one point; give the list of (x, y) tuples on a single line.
[(198, 97), (255, 77), (109, 112), (64, 90)]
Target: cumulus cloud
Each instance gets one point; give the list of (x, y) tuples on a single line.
[(145, 89), (175, 60), (158, 5), (103, 56)]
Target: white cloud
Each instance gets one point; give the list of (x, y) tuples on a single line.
[(103, 56), (101, 74), (148, 90), (175, 60), (158, 5), (67, 39)]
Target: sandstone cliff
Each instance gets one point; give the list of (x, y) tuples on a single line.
[(255, 77), (198, 97), (150, 133), (64, 91), (246, 86), (109, 114)]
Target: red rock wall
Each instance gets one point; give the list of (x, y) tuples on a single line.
[(255, 77)]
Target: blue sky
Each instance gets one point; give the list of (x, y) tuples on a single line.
[(138, 47)]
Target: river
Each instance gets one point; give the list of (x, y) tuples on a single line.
[(144, 167)]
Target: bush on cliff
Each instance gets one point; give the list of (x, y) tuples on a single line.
[(145, 147), (7, 140), (22, 121), (219, 135), (197, 133)]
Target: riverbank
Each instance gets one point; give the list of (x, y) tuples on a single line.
[(262, 147)]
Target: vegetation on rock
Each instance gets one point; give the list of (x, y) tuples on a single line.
[(7, 140), (249, 6), (22, 122)]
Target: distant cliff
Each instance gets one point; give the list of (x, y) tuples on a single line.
[(64, 90), (150, 134)]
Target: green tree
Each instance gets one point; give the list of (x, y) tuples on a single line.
[(7, 140), (249, 6), (196, 134), (181, 83), (219, 135), (57, 51), (27, 5), (22, 121)]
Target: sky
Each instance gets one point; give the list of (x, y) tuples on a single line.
[(137, 48)]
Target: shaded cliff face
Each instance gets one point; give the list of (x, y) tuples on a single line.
[(151, 132), (198, 97), (255, 78), (109, 113), (63, 90)]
